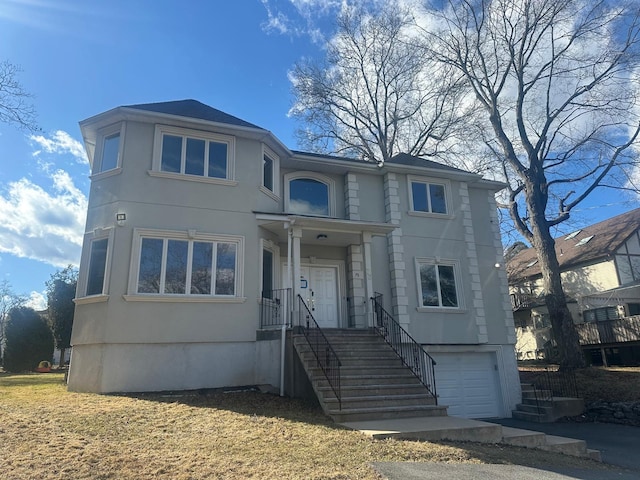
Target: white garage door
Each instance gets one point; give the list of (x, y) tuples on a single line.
[(468, 384)]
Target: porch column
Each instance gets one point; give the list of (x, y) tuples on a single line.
[(368, 276), (297, 235)]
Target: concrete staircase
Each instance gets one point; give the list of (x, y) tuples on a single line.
[(545, 411), (374, 382)]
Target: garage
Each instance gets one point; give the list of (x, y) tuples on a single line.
[(468, 383)]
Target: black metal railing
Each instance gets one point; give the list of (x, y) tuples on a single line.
[(411, 352), (551, 382), (326, 357), (275, 308)]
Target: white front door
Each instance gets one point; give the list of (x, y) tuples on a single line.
[(319, 289)]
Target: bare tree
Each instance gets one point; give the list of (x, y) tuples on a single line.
[(15, 103), (8, 301), (378, 92), (557, 82)]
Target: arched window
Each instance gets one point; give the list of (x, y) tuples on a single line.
[(310, 194)]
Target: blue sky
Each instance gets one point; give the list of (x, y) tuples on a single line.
[(83, 57)]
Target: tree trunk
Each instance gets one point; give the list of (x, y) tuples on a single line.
[(62, 352), (564, 331)]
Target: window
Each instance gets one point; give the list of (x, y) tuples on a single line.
[(428, 197), (267, 273), (97, 267), (189, 265), (196, 155), (310, 194), (601, 314), (109, 150), (437, 284), (267, 172), (627, 261)]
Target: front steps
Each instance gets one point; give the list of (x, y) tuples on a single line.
[(546, 411), (374, 382)]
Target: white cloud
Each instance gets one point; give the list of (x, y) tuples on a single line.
[(37, 301), (60, 142), (41, 225)]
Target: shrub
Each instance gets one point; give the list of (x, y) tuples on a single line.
[(28, 340)]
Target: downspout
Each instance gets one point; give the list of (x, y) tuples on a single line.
[(283, 331)]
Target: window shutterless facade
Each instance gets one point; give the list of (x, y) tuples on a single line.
[(93, 279), (428, 196), (109, 152), (97, 267), (438, 284), (171, 263), (193, 154), (308, 193)]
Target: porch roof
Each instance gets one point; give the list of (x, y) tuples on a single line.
[(322, 230), (616, 296)]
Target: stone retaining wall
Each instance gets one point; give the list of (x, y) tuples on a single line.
[(626, 413)]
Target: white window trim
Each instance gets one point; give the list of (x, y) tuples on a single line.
[(83, 276), (329, 182), (198, 135), (275, 193), (190, 235), (105, 133), (458, 281), (429, 180), (275, 250)]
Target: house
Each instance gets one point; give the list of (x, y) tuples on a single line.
[(600, 269), (197, 222)]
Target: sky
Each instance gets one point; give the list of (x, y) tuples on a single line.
[(83, 57)]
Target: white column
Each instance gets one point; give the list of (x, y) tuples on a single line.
[(368, 276), (297, 235)]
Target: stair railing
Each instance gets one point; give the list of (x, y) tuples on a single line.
[(411, 352), (275, 307), (326, 357), (551, 382)]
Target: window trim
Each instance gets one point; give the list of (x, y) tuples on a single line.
[(190, 236), (418, 261), (329, 182), (156, 168), (429, 181), (83, 277), (103, 135), (275, 159)]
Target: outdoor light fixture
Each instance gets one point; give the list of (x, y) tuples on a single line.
[(121, 218), (321, 236)]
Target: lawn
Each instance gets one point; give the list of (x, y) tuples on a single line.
[(49, 433)]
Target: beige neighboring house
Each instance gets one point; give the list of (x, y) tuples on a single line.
[(205, 236), (600, 267)]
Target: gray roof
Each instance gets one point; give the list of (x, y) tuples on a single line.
[(193, 109), (411, 161), (584, 245)]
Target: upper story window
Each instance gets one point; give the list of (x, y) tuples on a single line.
[(310, 193), (194, 155), (183, 264), (270, 169), (109, 152), (428, 196), (628, 260), (438, 283)]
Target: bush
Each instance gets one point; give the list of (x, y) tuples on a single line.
[(28, 340)]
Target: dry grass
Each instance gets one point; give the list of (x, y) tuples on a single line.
[(611, 384), (49, 433)]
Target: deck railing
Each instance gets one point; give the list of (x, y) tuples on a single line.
[(620, 330), (326, 358), (411, 352), (275, 306)]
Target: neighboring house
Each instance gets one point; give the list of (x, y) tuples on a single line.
[(600, 268), (197, 219)]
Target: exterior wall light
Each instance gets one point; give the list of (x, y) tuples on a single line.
[(321, 236), (121, 218)]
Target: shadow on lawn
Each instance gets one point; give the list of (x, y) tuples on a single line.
[(248, 401), (31, 379)]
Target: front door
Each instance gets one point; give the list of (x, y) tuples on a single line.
[(319, 289)]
